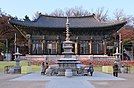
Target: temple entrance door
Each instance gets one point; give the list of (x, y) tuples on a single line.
[(84, 47), (49, 51), (51, 47), (37, 47), (97, 47)]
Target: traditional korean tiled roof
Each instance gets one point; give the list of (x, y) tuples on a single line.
[(45, 21)]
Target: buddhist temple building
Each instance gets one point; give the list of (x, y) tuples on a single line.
[(46, 34)]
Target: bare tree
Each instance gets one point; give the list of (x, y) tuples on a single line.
[(37, 14), (102, 14), (69, 12), (73, 12), (57, 12), (2, 13), (119, 15), (131, 21), (77, 11)]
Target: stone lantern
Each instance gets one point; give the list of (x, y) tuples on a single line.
[(17, 68)]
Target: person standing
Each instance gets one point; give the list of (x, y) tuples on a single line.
[(47, 65), (91, 69), (43, 68), (115, 69)]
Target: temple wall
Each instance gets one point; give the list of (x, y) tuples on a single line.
[(83, 45)]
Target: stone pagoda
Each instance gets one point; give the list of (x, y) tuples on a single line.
[(68, 64)]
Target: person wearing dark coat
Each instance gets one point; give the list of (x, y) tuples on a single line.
[(115, 70), (43, 68), (91, 69)]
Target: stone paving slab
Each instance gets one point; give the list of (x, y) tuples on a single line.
[(69, 83), (65, 82), (38, 77), (104, 76)]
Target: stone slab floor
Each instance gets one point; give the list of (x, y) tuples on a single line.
[(97, 80)]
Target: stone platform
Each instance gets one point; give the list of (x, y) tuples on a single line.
[(65, 82)]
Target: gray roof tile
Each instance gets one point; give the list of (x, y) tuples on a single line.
[(60, 22)]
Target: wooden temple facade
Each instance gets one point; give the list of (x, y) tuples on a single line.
[(46, 34)]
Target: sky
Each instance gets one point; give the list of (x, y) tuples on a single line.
[(20, 8)]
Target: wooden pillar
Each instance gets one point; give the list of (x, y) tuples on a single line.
[(105, 46), (43, 45), (56, 47), (97, 46), (76, 48), (59, 47), (29, 44), (120, 46), (90, 51), (90, 43)]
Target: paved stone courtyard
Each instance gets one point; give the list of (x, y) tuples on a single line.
[(35, 80)]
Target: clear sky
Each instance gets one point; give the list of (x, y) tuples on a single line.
[(20, 8)]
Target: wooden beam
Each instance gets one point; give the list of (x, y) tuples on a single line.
[(22, 33)]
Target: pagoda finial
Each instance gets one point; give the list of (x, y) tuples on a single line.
[(67, 30)]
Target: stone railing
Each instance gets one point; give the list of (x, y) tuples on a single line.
[(101, 57), (86, 59)]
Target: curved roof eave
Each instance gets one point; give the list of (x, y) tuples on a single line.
[(59, 22), (102, 26)]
